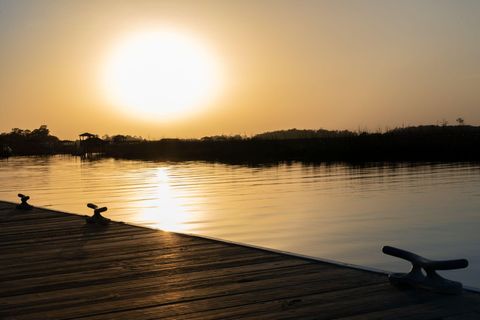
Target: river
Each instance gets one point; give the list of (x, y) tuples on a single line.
[(335, 211)]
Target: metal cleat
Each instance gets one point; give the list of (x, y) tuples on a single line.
[(97, 218), (24, 205), (432, 280)]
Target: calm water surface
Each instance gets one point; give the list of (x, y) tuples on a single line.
[(338, 212)]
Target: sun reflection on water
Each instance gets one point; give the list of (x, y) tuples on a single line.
[(165, 206), (336, 211)]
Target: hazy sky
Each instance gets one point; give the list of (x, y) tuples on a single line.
[(305, 64)]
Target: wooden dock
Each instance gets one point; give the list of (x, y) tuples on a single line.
[(54, 266)]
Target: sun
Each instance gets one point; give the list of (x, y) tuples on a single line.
[(161, 75)]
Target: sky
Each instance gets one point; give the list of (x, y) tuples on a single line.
[(359, 64)]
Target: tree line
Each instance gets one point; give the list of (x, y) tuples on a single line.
[(414, 143)]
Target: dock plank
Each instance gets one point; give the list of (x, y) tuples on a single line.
[(54, 266)]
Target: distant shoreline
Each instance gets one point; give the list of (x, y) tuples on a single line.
[(422, 143)]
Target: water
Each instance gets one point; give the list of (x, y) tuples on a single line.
[(339, 212)]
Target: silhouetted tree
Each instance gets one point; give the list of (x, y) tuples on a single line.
[(43, 131), (26, 142)]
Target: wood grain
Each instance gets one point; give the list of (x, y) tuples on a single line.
[(54, 266)]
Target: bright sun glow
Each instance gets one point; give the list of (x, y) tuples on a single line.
[(161, 75)]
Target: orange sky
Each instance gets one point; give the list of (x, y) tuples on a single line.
[(304, 64)]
